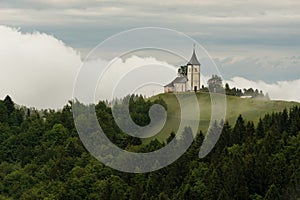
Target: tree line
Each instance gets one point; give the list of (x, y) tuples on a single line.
[(42, 157), (215, 84)]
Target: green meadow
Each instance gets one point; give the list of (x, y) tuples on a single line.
[(251, 109)]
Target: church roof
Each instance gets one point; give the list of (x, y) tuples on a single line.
[(194, 59), (181, 79), (170, 85)]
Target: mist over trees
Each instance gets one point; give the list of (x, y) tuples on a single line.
[(215, 85), (42, 157)]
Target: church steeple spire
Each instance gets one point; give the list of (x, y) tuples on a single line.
[(194, 59)]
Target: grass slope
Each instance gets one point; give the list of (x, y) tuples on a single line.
[(250, 109)]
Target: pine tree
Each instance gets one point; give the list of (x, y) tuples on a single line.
[(259, 132), (9, 105), (239, 131), (272, 193)]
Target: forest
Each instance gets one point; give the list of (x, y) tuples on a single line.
[(42, 157)]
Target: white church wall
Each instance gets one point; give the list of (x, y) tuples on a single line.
[(179, 87), (168, 89)]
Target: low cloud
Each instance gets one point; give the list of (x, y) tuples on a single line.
[(36, 69), (102, 80), (280, 90)]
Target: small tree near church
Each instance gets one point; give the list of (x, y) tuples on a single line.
[(215, 84)]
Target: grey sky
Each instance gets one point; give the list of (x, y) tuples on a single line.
[(257, 39), (84, 24), (231, 28)]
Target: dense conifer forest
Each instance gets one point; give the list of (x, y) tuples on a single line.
[(42, 157)]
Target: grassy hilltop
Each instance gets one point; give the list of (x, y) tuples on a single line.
[(251, 109)]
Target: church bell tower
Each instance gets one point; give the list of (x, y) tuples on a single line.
[(193, 73)]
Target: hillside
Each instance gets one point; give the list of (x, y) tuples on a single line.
[(250, 109), (42, 156)]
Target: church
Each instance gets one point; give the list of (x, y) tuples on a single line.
[(188, 77)]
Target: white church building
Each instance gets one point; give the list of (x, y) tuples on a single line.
[(188, 77)]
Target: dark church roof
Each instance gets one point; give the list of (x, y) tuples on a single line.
[(181, 79), (170, 85), (194, 60)]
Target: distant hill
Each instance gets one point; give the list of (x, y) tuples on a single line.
[(250, 108)]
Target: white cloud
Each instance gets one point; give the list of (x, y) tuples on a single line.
[(245, 27), (102, 80), (280, 90), (135, 75), (40, 71), (36, 69)]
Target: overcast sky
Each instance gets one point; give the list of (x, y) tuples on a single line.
[(257, 40)]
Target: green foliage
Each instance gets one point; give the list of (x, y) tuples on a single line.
[(3, 112), (42, 157), (182, 71), (272, 193), (251, 109), (215, 84), (9, 104)]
